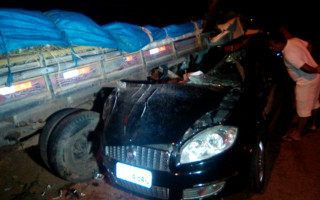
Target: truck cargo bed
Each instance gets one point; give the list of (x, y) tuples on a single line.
[(50, 78)]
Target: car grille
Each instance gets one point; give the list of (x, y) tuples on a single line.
[(145, 157), (154, 191)]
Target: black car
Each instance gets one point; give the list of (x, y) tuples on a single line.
[(203, 137)]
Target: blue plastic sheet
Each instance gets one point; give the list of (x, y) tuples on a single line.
[(156, 32), (80, 29), (181, 29), (129, 37), (21, 28), (174, 30)]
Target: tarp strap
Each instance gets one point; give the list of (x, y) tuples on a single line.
[(74, 57), (10, 77), (166, 32), (197, 27), (197, 33), (148, 32)]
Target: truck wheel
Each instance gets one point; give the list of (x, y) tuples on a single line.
[(51, 123), (70, 147), (257, 177)]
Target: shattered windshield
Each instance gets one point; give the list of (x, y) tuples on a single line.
[(227, 72)]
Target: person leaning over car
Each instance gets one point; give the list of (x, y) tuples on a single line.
[(303, 69)]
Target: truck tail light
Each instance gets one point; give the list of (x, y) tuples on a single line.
[(15, 88), (66, 79), (22, 90), (157, 50), (76, 72), (129, 58)]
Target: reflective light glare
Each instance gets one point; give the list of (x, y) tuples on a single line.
[(208, 143), (157, 50), (129, 58), (213, 144), (15, 88), (203, 190), (133, 174), (76, 72), (261, 146)]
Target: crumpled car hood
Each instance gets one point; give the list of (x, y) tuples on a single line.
[(144, 114)]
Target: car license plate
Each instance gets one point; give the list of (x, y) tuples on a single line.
[(134, 174)]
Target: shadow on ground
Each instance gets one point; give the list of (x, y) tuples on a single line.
[(23, 175)]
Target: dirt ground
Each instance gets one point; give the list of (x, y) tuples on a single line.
[(295, 175)]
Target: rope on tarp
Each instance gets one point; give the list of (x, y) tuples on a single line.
[(196, 27), (165, 30), (74, 57), (198, 32), (148, 32), (10, 77)]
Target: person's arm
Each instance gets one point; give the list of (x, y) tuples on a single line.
[(308, 69)]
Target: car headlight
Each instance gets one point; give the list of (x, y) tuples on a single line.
[(208, 143)]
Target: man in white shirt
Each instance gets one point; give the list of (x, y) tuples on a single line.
[(303, 69)]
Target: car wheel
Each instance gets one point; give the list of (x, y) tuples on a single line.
[(257, 177), (51, 123), (70, 149)]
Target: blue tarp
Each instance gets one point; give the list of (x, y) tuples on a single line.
[(174, 30), (129, 37), (156, 32), (81, 30), (21, 28), (181, 29)]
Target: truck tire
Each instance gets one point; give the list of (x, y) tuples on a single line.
[(51, 123), (70, 151)]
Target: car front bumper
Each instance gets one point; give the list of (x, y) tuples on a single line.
[(191, 181)]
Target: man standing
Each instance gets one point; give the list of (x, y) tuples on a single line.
[(303, 69)]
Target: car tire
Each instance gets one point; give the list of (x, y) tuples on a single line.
[(70, 147), (51, 123), (257, 177)]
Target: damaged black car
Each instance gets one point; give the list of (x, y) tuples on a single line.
[(204, 135)]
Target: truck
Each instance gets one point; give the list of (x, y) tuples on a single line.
[(44, 79)]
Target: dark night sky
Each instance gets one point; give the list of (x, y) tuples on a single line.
[(103, 11), (298, 18)]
